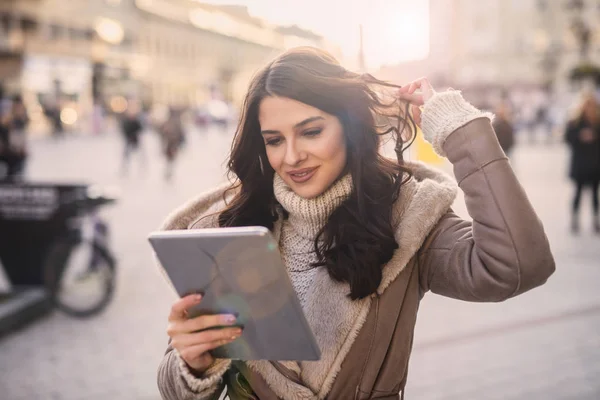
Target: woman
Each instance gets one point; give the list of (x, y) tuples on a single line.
[(13, 140), (583, 136), (132, 128), (504, 128), (363, 237), (172, 138)]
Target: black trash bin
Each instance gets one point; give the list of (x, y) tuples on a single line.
[(31, 216)]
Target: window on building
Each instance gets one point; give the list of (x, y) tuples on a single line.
[(157, 47), (127, 41), (88, 34), (134, 41), (56, 31), (76, 33), (576, 5), (6, 21), (29, 25), (167, 49)]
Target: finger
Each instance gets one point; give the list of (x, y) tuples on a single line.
[(195, 352), (426, 87), (414, 98), (417, 84), (208, 321), (416, 113), (180, 307), (405, 88), (211, 335), (413, 86)]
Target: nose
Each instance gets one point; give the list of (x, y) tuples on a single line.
[(294, 155)]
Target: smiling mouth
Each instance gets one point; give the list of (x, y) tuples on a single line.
[(303, 175)]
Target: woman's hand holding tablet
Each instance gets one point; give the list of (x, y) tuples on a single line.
[(193, 338)]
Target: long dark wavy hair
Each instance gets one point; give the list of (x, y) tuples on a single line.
[(358, 239)]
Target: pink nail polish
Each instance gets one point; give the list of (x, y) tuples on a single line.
[(230, 318)]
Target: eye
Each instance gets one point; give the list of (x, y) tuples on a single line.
[(273, 142), (312, 132)]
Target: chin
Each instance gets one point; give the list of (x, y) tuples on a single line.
[(306, 191)]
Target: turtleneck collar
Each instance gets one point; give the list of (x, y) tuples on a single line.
[(308, 216)]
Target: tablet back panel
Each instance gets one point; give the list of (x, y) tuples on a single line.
[(239, 270)]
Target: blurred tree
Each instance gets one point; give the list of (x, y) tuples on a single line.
[(586, 71)]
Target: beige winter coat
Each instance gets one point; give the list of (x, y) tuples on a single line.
[(502, 253)]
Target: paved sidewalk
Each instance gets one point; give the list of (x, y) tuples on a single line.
[(542, 345)]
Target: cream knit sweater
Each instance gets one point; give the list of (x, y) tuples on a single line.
[(298, 232)]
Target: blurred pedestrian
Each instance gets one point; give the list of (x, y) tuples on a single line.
[(13, 140), (98, 122), (53, 110), (19, 123), (131, 127), (6, 161), (363, 237), (173, 137), (583, 137), (503, 126)]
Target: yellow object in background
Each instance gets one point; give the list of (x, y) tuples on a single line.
[(425, 152)]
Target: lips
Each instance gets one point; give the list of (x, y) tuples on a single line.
[(302, 175)]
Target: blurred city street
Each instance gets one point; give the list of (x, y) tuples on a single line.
[(542, 345), (142, 96)]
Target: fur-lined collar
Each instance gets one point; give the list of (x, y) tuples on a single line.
[(334, 318)]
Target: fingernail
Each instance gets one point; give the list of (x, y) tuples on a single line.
[(230, 318), (197, 297)]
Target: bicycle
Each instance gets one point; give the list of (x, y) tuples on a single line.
[(58, 241)]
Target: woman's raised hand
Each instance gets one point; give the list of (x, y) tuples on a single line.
[(193, 337), (417, 93)]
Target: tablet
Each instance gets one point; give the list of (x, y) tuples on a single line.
[(239, 271)]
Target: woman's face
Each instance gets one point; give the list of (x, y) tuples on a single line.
[(305, 146)]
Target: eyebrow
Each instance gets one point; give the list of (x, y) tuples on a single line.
[(298, 125)]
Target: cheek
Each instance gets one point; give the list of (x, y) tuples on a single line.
[(334, 149)]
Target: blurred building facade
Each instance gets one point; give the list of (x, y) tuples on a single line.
[(171, 52), (496, 44)]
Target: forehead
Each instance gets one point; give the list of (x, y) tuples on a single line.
[(281, 112)]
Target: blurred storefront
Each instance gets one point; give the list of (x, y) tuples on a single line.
[(161, 53), (189, 51), (50, 49)]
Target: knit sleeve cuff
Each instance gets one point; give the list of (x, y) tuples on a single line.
[(206, 385), (443, 114)]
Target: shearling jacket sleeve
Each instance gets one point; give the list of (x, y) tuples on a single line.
[(504, 251), (176, 382)]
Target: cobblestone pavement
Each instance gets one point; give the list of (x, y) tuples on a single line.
[(542, 345)]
